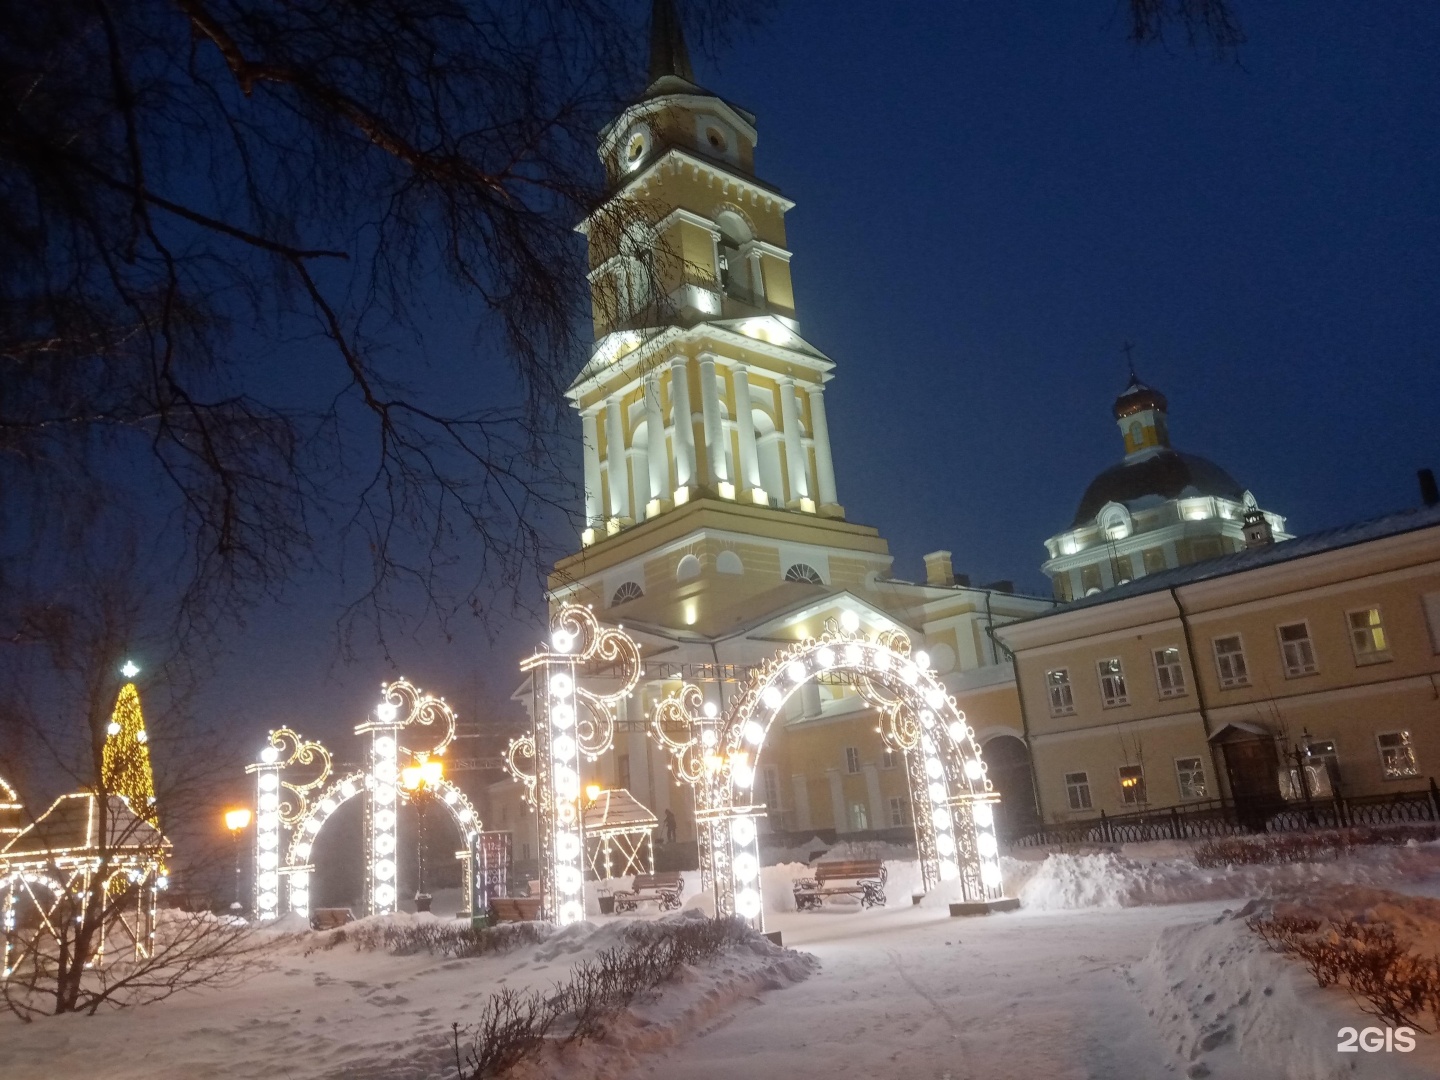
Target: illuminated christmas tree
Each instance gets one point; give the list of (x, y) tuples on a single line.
[(125, 767)]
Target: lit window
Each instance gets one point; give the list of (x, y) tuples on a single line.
[(1169, 676), (625, 593), (1112, 683), (1190, 772), (1132, 785), (1367, 636), (852, 759), (805, 574), (1230, 662), (1062, 701), (1397, 756), (897, 811), (1077, 790), (1297, 650)]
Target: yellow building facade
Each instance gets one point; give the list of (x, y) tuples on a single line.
[(1308, 667)]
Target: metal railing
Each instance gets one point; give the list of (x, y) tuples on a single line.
[(1229, 817)]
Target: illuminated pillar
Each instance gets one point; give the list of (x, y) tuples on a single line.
[(714, 428), (757, 277), (267, 834), (824, 465), (557, 765), (794, 450), (655, 425), (745, 425), (384, 772), (594, 511), (684, 434)]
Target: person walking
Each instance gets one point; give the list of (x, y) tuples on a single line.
[(669, 826)]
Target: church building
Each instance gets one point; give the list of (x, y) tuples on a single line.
[(714, 529)]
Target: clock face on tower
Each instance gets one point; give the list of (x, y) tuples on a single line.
[(636, 146)]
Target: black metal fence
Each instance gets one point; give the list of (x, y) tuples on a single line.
[(1227, 817)]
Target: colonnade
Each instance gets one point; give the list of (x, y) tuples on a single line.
[(628, 483)]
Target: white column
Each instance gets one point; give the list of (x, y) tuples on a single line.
[(824, 466), (757, 277), (684, 427), (594, 511), (802, 801), (714, 429), (794, 451), (615, 458), (655, 425), (872, 793), (837, 801), (745, 425)]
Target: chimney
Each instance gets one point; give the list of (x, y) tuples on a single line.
[(938, 569), (1429, 493), (1257, 528)]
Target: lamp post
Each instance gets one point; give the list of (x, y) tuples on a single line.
[(237, 821), (418, 779)]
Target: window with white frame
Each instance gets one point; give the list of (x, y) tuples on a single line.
[(1132, 785), (629, 590), (1062, 699), (888, 758), (1367, 636), (1190, 775), (1297, 650), (859, 817), (1230, 661), (852, 759), (897, 811), (1169, 675), (1112, 683), (1397, 756), (1077, 790), (771, 776)]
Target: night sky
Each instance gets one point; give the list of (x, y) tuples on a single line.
[(992, 199)]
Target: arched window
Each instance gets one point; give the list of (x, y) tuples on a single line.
[(625, 593), (729, 563), (804, 573), (688, 568), (733, 273)]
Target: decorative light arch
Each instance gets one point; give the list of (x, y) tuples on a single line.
[(953, 800), (569, 720), (283, 804)]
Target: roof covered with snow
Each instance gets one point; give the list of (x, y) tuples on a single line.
[(1145, 479), (617, 810), (1254, 558)]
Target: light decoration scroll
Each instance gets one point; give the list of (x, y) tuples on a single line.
[(280, 802), (570, 720), (954, 801)]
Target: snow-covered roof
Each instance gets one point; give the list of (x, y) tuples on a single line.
[(1254, 558), (618, 811)]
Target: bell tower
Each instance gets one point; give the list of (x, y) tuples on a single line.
[(699, 384)]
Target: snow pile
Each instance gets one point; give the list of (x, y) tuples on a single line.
[(1225, 1005), (1109, 880), (364, 1014)]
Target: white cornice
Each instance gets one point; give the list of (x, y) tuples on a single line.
[(695, 103), (657, 348), (674, 155)]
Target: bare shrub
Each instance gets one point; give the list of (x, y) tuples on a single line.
[(1305, 847)]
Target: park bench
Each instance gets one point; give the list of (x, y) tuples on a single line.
[(663, 889), (515, 908), (864, 878), (330, 918)]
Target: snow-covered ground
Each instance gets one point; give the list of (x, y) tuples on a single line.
[(1132, 964)]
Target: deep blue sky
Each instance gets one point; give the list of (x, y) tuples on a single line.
[(992, 198)]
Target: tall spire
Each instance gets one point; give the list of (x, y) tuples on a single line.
[(668, 54)]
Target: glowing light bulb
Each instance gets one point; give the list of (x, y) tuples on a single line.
[(974, 769), (922, 660), (754, 733), (985, 844), (742, 830), (711, 710), (562, 640), (849, 621)]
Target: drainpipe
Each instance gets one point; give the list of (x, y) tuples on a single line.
[(1215, 762)]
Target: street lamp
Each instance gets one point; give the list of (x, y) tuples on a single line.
[(417, 779), (237, 821)]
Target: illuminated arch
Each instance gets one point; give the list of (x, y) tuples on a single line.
[(954, 802)]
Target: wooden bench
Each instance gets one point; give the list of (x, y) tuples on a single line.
[(663, 889), (330, 918), (515, 909), (864, 878)]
